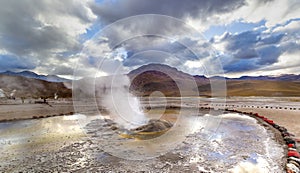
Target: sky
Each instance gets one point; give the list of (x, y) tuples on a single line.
[(86, 37)]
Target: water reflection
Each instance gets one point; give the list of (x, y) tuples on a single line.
[(214, 143)]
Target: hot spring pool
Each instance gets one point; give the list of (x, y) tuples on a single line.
[(225, 142)]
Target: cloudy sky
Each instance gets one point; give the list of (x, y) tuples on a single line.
[(234, 37)]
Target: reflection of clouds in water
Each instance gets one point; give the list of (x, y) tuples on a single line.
[(62, 125), (260, 165), (238, 143), (75, 117), (227, 147), (233, 145), (20, 132)]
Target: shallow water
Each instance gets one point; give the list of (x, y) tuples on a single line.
[(199, 141)]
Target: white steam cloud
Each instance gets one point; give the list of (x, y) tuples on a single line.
[(112, 93)]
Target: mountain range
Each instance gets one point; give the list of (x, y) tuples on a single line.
[(180, 74), (32, 75), (164, 79), (284, 77), (161, 68), (19, 86), (172, 82)]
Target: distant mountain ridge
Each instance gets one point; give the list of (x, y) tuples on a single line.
[(175, 72), (162, 68), (150, 78), (20, 86), (157, 77), (284, 77), (32, 75)]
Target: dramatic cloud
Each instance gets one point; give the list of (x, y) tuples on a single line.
[(11, 63), (245, 51), (273, 11), (36, 30), (259, 49), (110, 11), (201, 13), (56, 37), (134, 48)]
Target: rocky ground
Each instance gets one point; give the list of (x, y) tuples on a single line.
[(219, 147), (231, 146)]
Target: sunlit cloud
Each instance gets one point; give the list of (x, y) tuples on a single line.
[(53, 37)]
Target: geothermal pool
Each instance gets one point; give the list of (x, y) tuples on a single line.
[(200, 141)]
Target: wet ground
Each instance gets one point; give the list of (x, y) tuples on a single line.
[(200, 141)]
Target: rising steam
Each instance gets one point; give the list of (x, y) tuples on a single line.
[(112, 93)]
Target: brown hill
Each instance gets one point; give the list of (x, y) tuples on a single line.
[(149, 81), (19, 86), (168, 80)]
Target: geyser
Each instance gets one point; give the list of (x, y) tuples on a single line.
[(112, 93)]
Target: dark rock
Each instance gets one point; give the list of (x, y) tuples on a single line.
[(154, 126)]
